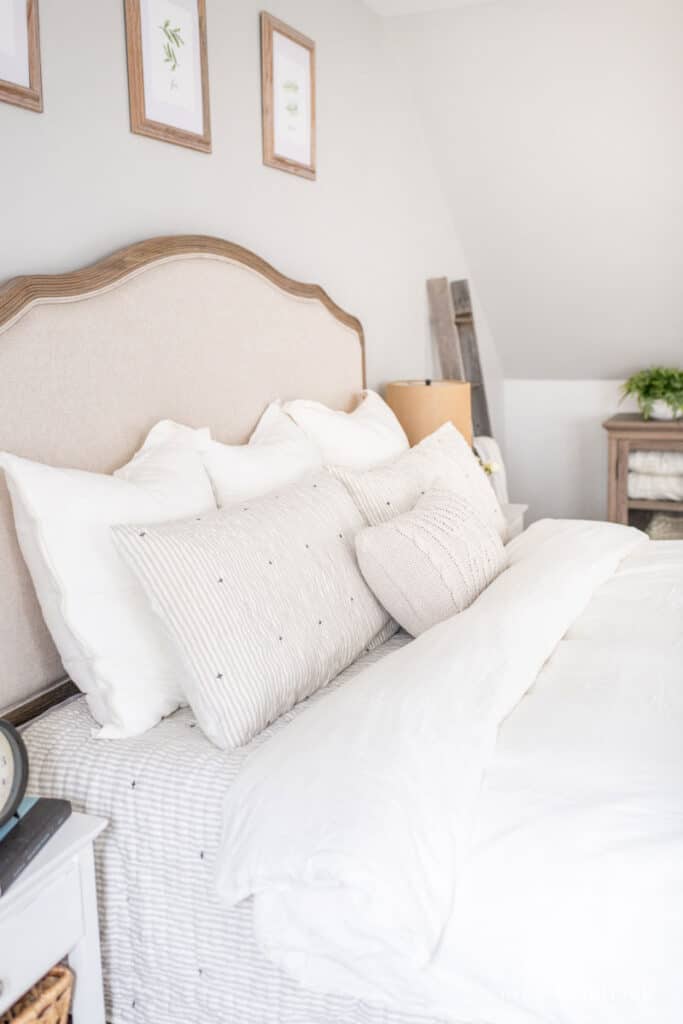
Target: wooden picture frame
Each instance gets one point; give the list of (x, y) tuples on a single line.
[(28, 92), (168, 73), (288, 98)]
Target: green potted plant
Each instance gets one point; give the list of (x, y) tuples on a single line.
[(658, 391)]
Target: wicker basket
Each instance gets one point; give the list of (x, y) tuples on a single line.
[(48, 1002)]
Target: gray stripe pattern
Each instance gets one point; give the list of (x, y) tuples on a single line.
[(265, 602), (171, 952)]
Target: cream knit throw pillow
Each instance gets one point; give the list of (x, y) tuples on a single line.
[(431, 562), (443, 460)]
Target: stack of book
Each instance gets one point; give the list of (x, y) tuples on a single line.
[(25, 834)]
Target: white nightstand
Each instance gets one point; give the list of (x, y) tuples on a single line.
[(50, 912)]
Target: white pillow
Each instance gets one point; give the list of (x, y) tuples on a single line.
[(111, 644), (265, 602), (366, 437), (278, 453), (444, 458), (432, 562)]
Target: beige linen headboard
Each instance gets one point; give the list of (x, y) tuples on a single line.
[(189, 328)]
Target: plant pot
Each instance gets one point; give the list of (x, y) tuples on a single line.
[(661, 410)]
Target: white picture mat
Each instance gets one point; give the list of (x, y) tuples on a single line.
[(291, 100), (14, 65), (173, 96)]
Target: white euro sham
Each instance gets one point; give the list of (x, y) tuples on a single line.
[(278, 453), (110, 643), (368, 436)]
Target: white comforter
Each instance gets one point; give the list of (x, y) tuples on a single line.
[(361, 830)]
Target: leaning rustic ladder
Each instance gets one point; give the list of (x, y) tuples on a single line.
[(453, 320)]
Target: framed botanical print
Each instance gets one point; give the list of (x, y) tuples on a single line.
[(288, 98), (168, 74), (20, 78)]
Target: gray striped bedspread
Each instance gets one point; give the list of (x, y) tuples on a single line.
[(170, 952)]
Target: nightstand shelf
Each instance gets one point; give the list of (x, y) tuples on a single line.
[(50, 913), (655, 506), (630, 432)]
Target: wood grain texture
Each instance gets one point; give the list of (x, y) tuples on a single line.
[(30, 98), (42, 702), (469, 351), (269, 24), (443, 321), (18, 295), (140, 124), (630, 432)]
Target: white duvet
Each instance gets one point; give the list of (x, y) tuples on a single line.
[(382, 869)]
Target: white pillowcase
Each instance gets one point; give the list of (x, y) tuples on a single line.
[(368, 436), (278, 453), (265, 602), (110, 642), (432, 562), (444, 458)]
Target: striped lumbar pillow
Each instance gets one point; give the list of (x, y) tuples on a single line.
[(265, 601), (432, 562)]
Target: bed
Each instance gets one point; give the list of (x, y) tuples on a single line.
[(572, 877)]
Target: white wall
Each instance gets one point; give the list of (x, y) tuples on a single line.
[(556, 128), (556, 447), (77, 184)]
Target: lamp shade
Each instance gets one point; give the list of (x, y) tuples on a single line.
[(422, 406)]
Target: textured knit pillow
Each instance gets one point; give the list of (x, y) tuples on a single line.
[(264, 601), (444, 458), (369, 436), (431, 562)]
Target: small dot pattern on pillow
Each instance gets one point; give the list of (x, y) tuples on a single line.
[(265, 602), (432, 562), (443, 459)]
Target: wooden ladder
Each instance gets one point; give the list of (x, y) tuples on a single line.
[(451, 312)]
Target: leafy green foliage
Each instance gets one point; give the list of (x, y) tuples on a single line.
[(657, 383), (174, 41)]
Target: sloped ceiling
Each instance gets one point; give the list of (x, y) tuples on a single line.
[(556, 128), (392, 8)]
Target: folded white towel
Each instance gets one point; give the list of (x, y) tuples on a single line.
[(657, 463), (653, 487)]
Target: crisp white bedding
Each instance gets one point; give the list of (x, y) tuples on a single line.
[(553, 894), (545, 928)]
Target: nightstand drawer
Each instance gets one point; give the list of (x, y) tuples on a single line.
[(40, 931)]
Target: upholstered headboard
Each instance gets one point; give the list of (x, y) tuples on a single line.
[(189, 328)]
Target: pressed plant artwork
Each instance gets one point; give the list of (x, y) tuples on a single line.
[(167, 71), (173, 40), (288, 94)]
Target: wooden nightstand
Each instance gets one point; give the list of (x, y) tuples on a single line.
[(630, 432), (50, 912)]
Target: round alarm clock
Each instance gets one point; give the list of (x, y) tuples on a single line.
[(13, 770)]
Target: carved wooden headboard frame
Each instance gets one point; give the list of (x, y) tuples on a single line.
[(166, 328)]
